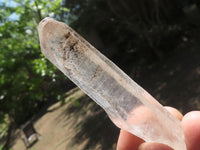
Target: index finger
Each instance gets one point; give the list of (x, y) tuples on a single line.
[(128, 141)]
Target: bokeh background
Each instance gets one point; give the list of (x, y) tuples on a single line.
[(156, 42)]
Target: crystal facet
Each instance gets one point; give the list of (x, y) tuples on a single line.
[(128, 105)]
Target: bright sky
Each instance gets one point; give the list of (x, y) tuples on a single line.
[(8, 2), (11, 3)]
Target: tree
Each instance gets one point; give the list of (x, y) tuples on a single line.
[(27, 79), (139, 27)]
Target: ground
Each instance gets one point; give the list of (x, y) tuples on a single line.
[(73, 126), (175, 81), (82, 125)]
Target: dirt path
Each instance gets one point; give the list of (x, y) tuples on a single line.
[(70, 127), (175, 80)]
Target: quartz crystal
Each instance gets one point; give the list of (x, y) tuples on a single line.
[(128, 105)]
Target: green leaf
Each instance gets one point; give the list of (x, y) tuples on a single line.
[(65, 9), (27, 79)]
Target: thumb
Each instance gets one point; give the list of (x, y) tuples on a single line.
[(154, 146)]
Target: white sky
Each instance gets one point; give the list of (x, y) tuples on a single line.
[(9, 2)]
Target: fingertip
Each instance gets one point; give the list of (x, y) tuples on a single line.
[(191, 128), (175, 112), (154, 146), (128, 141)]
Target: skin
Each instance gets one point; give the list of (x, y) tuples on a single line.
[(191, 127)]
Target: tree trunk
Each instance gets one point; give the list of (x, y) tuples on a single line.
[(9, 135), (13, 117)]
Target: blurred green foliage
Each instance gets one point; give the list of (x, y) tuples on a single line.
[(1, 147), (27, 79)]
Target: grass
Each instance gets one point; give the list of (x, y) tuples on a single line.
[(60, 143)]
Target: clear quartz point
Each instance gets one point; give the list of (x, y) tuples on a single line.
[(128, 105)]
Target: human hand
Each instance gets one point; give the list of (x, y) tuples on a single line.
[(191, 127)]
